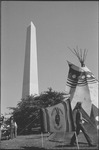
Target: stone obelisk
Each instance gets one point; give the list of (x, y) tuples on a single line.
[(30, 77)]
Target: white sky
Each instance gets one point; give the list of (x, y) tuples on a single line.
[(59, 25)]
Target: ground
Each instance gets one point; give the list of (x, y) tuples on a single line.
[(43, 142)]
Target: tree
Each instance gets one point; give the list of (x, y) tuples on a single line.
[(27, 111)]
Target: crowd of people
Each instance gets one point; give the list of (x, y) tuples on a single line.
[(9, 131)]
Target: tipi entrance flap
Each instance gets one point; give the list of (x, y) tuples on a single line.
[(81, 94)]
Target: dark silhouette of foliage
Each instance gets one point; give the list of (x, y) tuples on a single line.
[(27, 111)]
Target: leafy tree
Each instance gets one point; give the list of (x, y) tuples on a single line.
[(27, 111)]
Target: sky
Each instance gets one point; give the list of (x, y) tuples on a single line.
[(59, 25)]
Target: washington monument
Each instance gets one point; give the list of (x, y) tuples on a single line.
[(30, 76)]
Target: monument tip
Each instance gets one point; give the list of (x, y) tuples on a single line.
[(32, 24)]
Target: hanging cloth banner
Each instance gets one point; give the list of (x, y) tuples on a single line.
[(57, 118)]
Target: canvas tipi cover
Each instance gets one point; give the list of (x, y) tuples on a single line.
[(82, 86)]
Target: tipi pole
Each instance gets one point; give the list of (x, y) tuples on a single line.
[(77, 140), (42, 139)]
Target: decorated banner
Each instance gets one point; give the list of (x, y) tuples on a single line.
[(57, 118)]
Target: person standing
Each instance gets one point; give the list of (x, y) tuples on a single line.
[(79, 125), (1, 123), (11, 127), (15, 129)]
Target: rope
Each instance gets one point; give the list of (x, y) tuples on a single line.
[(29, 124), (88, 119), (92, 123)]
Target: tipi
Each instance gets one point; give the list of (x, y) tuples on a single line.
[(83, 86)]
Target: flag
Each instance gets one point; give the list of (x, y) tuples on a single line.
[(57, 118)]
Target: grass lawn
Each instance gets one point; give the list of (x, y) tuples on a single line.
[(41, 142)]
